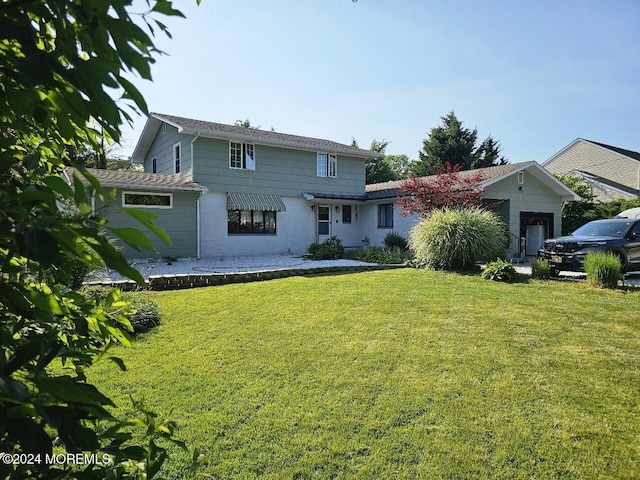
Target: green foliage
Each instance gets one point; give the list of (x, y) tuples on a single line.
[(145, 314), (577, 213), (458, 238), (603, 269), (393, 240), (143, 311), (499, 271), (60, 62), (453, 143), (330, 249), (381, 255), (540, 269)]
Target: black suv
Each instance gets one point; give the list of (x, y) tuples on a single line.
[(620, 236)]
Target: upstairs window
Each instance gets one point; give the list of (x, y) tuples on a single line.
[(176, 158), (154, 165), (327, 165), (242, 156)]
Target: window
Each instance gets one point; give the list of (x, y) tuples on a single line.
[(164, 128), (242, 156), (260, 222), (176, 158), (154, 165), (385, 215), (346, 214), (520, 178), (327, 165), (147, 200)]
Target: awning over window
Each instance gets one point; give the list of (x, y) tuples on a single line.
[(254, 201)]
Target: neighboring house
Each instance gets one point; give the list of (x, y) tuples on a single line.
[(225, 190), (527, 197), (614, 173)]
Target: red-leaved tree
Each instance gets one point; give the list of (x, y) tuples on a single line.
[(448, 187)]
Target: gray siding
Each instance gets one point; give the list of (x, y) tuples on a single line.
[(535, 196), (162, 150), (180, 222), (278, 171)]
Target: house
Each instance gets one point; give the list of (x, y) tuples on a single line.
[(527, 198), (262, 191), (614, 173), (224, 190)]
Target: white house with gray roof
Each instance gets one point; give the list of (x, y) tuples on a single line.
[(226, 190), (612, 172)]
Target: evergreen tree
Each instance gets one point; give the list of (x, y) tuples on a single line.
[(451, 142)]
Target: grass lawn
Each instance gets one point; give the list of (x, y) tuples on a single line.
[(394, 374)]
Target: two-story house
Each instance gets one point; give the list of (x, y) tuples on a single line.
[(221, 190), (261, 191)]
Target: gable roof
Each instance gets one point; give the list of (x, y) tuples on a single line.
[(147, 181), (630, 154), (201, 128), (490, 175)]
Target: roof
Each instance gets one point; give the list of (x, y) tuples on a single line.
[(201, 128), (148, 181), (489, 175), (627, 153)]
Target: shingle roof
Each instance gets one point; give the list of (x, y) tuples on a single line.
[(152, 181), (264, 137), (627, 153), (488, 175)]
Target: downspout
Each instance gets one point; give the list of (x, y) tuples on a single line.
[(193, 164)]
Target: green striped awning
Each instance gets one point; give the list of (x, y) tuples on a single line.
[(254, 201)]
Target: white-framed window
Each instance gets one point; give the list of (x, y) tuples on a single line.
[(177, 155), (327, 165), (164, 128), (521, 178), (242, 156), (147, 200), (154, 165)]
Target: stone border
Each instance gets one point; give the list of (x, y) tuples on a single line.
[(190, 280)]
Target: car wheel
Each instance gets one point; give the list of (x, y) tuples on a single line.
[(555, 272)]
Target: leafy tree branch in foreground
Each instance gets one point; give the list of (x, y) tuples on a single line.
[(60, 62)]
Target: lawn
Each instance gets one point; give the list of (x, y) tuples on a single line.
[(394, 374)]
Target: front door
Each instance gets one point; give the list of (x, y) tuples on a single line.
[(324, 223)]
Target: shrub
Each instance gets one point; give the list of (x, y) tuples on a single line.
[(499, 271), (603, 269), (540, 269), (457, 238), (330, 249), (395, 241), (146, 314), (380, 255)]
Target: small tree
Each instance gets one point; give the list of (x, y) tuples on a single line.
[(447, 188)]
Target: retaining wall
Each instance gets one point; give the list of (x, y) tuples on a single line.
[(181, 281)]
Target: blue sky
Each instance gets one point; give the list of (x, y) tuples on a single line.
[(534, 75)]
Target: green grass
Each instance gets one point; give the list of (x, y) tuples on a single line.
[(394, 374)]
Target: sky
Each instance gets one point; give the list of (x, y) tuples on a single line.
[(535, 75)]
